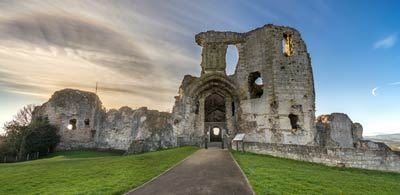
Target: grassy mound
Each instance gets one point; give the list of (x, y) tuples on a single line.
[(271, 175), (84, 172)]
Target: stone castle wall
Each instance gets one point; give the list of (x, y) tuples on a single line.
[(270, 98), (261, 111), (377, 157), (82, 122), (136, 130), (338, 143), (71, 108), (288, 87)]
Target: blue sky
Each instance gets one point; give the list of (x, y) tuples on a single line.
[(142, 50)]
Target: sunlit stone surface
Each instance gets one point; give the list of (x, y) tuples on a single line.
[(270, 99)]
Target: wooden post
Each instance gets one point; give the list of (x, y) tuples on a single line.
[(27, 157), (237, 146), (5, 159), (243, 146)]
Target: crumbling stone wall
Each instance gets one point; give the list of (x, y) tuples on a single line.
[(136, 130), (371, 155), (287, 87), (270, 98), (337, 130), (338, 143), (69, 106), (96, 128)]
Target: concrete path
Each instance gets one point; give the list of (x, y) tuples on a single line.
[(211, 171)]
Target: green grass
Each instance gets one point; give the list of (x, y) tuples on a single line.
[(271, 175), (85, 172)]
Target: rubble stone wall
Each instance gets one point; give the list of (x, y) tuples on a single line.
[(270, 98), (95, 128), (337, 130), (374, 156), (287, 87), (71, 108)]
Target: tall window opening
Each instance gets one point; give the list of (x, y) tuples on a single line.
[(196, 110), (93, 133), (294, 119), (233, 108), (87, 122), (72, 124), (256, 85), (231, 58), (287, 44)]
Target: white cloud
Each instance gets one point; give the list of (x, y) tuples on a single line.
[(386, 42)]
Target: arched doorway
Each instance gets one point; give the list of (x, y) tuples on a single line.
[(215, 117)]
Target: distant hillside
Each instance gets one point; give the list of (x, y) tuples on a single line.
[(392, 140)]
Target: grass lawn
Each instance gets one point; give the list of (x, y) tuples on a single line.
[(84, 172), (271, 175)]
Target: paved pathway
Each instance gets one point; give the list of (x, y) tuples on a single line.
[(211, 171)]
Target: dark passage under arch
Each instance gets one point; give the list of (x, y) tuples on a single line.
[(215, 116), (214, 108)]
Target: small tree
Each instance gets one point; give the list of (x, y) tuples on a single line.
[(3, 147), (14, 134), (24, 135), (40, 136), (16, 130), (24, 116)]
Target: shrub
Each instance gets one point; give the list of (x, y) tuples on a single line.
[(40, 136)]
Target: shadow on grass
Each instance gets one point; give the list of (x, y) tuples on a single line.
[(73, 154)]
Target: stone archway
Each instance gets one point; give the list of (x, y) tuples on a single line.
[(214, 104)]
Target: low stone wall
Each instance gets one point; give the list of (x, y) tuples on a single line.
[(379, 158)]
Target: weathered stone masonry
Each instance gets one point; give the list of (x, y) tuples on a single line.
[(270, 98), (377, 157), (124, 129), (261, 111)]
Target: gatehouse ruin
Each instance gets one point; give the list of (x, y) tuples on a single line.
[(270, 99)]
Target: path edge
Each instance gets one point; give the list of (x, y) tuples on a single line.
[(244, 175), (161, 174)]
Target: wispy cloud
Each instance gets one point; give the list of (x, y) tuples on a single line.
[(44, 51), (386, 42)]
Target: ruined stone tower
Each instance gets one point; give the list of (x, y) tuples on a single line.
[(270, 97), (269, 101)]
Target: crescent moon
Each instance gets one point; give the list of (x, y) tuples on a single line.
[(374, 91)]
